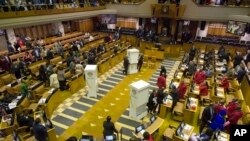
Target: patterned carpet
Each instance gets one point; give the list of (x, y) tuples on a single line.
[(80, 114)]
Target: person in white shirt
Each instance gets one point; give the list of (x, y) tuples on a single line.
[(54, 83), (79, 68)]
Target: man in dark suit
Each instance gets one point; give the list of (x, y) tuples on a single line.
[(140, 62), (39, 130), (125, 65), (237, 59), (207, 116), (241, 73), (50, 54), (109, 127)]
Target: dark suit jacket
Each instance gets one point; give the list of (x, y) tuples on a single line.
[(40, 132), (208, 114), (109, 128)]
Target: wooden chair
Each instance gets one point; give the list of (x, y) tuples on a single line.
[(169, 133), (152, 62), (177, 113)]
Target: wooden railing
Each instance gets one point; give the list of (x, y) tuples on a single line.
[(230, 3), (16, 14)]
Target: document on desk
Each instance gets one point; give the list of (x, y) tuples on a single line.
[(12, 105), (142, 131), (42, 101)]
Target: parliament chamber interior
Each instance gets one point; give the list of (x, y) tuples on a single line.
[(124, 70)]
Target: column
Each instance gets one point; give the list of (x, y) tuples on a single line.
[(11, 35)]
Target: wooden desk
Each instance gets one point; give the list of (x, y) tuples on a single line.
[(189, 111), (179, 75), (153, 127), (167, 104), (77, 84), (219, 95), (185, 133), (194, 92)]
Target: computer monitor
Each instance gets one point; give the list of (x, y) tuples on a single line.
[(139, 128), (86, 138), (109, 138), (153, 118)]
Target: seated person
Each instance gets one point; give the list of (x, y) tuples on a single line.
[(225, 83), (24, 119), (27, 57), (40, 131), (147, 137), (203, 89)]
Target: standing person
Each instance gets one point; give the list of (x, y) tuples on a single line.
[(163, 71), (109, 127), (175, 97), (125, 65), (199, 77), (54, 83), (42, 73), (241, 73), (151, 103), (140, 62), (159, 99), (207, 116), (61, 78), (218, 121), (234, 118), (181, 90), (161, 82), (79, 68), (40, 131), (10, 48)]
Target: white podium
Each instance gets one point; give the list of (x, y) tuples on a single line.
[(133, 56), (91, 80), (139, 94)]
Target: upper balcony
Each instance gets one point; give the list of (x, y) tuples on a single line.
[(11, 9), (223, 3)]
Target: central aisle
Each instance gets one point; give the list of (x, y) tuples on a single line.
[(114, 103)]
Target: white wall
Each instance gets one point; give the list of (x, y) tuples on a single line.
[(11, 35), (202, 33), (58, 26)]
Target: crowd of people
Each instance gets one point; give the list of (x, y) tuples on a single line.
[(27, 5), (219, 2)]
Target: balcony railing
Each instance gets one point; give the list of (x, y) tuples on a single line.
[(22, 10), (126, 2), (221, 3)]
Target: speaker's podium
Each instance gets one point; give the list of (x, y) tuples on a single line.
[(91, 80), (139, 93), (133, 56)]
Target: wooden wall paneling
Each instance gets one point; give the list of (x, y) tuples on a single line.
[(45, 32), (39, 31), (34, 33), (16, 30)]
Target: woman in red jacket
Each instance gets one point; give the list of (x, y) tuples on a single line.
[(199, 77), (181, 90), (161, 82), (203, 89), (225, 83)]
